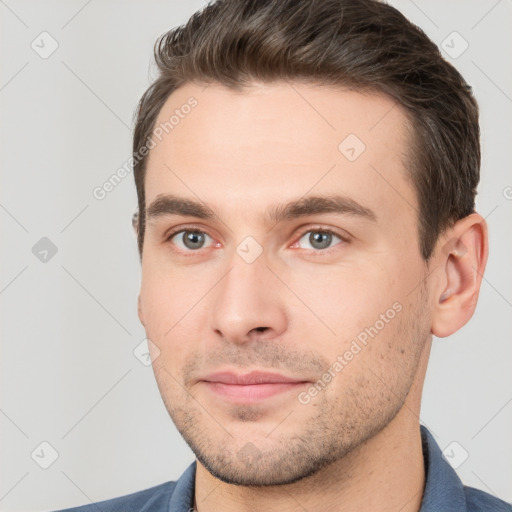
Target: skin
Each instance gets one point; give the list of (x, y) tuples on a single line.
[(355, 445)]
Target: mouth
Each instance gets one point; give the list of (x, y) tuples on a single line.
[(250, 388)]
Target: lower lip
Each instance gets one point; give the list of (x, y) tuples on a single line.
[(250, 393)]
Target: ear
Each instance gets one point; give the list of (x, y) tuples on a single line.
[(139, 311), (135, 222), (462, 255)]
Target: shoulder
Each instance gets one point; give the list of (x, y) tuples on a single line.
[(154, 499), (480, 501)]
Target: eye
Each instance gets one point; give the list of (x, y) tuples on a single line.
[(189, 240), (318, 239)]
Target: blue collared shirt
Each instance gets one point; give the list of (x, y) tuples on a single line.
[(444, 491)]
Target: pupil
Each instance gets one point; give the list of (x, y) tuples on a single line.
[(320, 240)]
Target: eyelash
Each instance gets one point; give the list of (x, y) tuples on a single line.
[(343, 238)]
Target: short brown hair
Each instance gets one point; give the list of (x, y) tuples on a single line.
[(363, 44)]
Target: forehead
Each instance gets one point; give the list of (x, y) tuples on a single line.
[(256, 145)]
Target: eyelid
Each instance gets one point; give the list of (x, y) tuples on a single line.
[(178, 229), (323, 229)]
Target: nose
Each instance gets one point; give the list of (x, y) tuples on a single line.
[(248, 303)]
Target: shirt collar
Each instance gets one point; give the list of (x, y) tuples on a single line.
[(182, 499), (443, 488)]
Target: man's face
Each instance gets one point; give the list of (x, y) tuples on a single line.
[(294, 293)]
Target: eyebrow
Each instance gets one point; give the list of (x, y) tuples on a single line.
[(167, 204)]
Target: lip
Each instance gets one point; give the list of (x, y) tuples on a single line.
[(254, 377), (250, 387)]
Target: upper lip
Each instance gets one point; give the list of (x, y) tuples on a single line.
[(255, 377)]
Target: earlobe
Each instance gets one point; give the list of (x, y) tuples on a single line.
[(463, 257)]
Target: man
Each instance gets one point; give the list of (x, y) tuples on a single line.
[(306, 174)]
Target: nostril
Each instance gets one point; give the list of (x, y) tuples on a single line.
[(260, 329)]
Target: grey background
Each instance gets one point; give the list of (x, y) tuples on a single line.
[(69, 325)]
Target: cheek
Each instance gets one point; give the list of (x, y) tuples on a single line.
[(347, 297), (175, 309), (377, 355), (365, 313), (167, 294)]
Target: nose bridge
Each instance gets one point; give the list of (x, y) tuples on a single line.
[(247, 298)]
